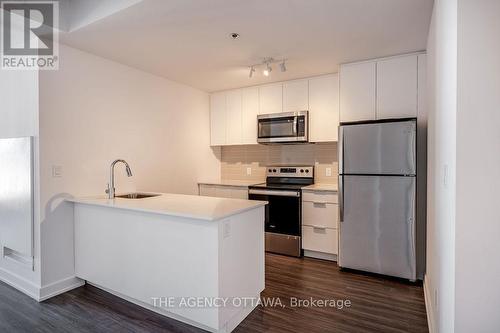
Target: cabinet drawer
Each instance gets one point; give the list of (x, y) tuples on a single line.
[(320, 197), (323, 214), (320, 240)]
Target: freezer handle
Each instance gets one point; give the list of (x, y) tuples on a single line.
[(341, 198)]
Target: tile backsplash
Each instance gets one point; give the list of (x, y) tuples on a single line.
[(236, 161)]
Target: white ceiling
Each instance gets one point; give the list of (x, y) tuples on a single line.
[(188, 40)]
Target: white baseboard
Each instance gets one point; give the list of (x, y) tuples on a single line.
[(320, 255), (23, 285), (36, 292), (429, 307), (59, 287)]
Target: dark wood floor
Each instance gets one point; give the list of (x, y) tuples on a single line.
[(378, 305)]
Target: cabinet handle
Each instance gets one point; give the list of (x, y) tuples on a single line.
[(319, 202), (321, 227)]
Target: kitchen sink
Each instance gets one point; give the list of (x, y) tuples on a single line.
[(137, 196)]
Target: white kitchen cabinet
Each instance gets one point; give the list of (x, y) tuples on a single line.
[(422, 88), (271, 98), (218, 119), (233, 117), (320, 211), (358, 91), (324, 108), (320, 240), (397, 87), (249, 112), (296, 96)]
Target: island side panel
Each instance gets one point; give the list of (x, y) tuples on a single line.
[(242, 263), (144, 255)]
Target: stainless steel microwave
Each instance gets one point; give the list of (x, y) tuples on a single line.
[(286, 127)]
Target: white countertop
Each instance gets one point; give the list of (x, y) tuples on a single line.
[(236, 183), (180, 205), (322, 187)]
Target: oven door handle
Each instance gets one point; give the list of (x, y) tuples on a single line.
[(295, 194)]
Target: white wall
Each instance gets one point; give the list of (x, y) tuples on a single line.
[(442, 96), (93, 111), (478, 164)]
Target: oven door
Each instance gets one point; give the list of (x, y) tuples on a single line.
[(283, 127), (282, 211), (282, 220)]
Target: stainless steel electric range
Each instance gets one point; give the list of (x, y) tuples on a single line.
[(283, 220)]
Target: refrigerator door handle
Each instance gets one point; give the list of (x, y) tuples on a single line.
[(341, 150), (341, 198)]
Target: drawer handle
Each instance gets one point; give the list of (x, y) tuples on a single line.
[(320, 227), (320, 203)]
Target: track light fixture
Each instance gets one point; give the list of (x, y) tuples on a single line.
[(283, 66), (267, 62)]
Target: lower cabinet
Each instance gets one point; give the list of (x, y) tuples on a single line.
[(223, 191), (320, 213)]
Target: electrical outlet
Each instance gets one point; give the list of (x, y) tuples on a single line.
[(249, 171), (328, 172), (57, 171), (445, 176)]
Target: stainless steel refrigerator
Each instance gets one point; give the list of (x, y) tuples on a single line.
[(377, 196)]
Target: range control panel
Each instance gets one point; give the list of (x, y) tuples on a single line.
[(290, 171)]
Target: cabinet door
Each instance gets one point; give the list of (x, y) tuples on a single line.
[(324, 108), (296, 96), (271, 99), (397, 87), (207, 190), (233, 117), (218, 119), (223, 191), (249, 112), (357, 91), (239, 193), (422, 88)]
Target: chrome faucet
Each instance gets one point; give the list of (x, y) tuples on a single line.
[(111, 185)]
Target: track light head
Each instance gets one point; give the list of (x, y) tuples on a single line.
[(252, 70), (268, 70), (283, 66)]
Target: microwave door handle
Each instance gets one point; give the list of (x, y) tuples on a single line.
[(295, 130)]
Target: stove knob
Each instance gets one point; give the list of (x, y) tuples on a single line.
[(301, 170), (270, 170), (307, 170), (274, 170)]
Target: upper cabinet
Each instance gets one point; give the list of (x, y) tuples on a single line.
[(296, 95), (249, 112), (380, 89), (369, 90), (397, 87), (324, 108), (233, 114), (218, 119), (357, 91), (271, 98), (233, 117)]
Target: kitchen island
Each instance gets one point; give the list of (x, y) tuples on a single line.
[(196, 259)]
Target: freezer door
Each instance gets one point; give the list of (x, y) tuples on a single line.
[(377, 230), (379, 148)]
